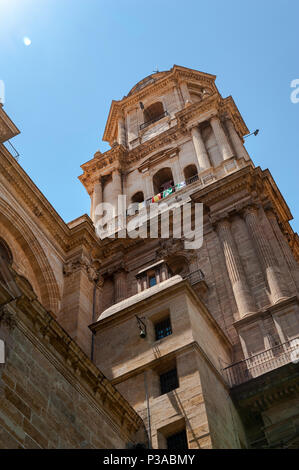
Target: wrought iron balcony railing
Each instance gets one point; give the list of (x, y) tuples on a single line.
[(157, 118), (261, 363)]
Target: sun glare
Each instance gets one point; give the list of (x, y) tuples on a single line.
[(26, 41)]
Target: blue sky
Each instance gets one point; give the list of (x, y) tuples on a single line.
[(84, 53)]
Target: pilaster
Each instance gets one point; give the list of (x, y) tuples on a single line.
[(80, 278), (267, 257), (221, 138), (235, 270), (286, 250), (239, 148)]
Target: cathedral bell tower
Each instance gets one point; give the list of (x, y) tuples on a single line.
[(199, 341), (197, 135)]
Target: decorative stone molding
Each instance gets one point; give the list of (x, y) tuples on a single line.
[(7, 127), (119, 266), (169, 249), (81, 262), (151, 85)]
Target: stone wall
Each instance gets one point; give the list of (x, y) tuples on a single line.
[(51, 394), (194, 333)]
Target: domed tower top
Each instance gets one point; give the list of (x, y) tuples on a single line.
[(172, 128), (157, 96)]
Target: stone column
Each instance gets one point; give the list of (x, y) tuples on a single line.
[(200, 149), (120, 285), (185, 93), (97, 198), (292, 264), (240, 150), (235, 270), (267, 258), (116, 189), (222, 141), (121, 132)]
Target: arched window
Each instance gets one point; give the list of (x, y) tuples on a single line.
[(138, 197), (190, 172), (162, 180), (153, 113)]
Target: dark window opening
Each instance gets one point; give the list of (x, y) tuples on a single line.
[(138, 197), (190, 171), (163, 329), (163, 180), (169, 381), (153, 112), (178, 441)]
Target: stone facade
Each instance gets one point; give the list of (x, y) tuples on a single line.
[(223, 367), (51, 393)]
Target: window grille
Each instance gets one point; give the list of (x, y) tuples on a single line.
[(163, 329)]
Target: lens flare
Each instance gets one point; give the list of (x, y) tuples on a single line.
[(26, 41)]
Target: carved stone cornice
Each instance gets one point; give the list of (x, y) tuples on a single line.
[(114, 267), (101, 165), (170, 248), (7, 127), (228, 109), (82, 262), (63, 236), (219, 218), (197, 109), (118, 155), (158, 157), (160, 82)]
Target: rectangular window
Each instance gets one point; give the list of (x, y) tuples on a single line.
[(178, 441), (163, 329), (169, 381)]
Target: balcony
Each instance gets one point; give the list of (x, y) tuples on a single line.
[(151, 121), (143, 209), (261, 363)]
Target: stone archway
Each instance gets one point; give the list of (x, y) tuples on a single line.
[(49, 291)]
